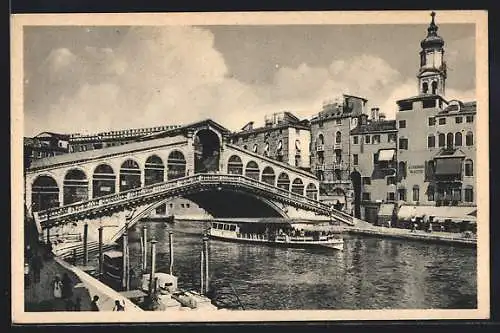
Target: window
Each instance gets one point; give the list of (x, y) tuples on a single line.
[(458, 120), (432, 121), (367, 139), (403, 144), (441, 140), (391, 196), (431, 141), (391, 180), (469, 194), (416, 193), (430, 193), (429, 103), (355, 139), (255, 148), (449, 140), (376, 139), (338, 121), (402, 170), (182, 205), (187, 205), (367, 181), (442, 121), (469, 168), (375, 158), (402, 124), (469, 119), (402, 194), (366, 196), (391, 137), (458, 139), (469, 139), (355, 159), (338, 137)]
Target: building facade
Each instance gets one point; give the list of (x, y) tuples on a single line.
[(436, 147), (284, 137), (331, 158), (45, 144), (374, 164)]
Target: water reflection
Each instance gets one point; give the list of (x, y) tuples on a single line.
[(370, 273)]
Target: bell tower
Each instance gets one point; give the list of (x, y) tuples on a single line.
[(432, 73)]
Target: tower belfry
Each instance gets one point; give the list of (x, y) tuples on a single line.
[(432, 73)]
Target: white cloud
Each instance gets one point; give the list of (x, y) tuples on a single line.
[(175, 75)]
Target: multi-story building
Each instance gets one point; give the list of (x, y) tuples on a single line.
[(82, 142), (284, 137), (45, 144), (436, 148), (373, 157), (331, 149)]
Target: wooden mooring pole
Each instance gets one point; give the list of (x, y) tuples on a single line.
[(152, 269), (171, 252), (85, 244)]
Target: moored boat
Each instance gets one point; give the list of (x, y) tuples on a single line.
[(279, 233)]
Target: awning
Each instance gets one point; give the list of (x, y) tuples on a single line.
[(448, 166), (386, 210), (458, 213), (386, 155)]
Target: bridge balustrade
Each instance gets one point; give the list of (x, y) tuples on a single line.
[(180, 182)]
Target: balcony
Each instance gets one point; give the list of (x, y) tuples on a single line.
[(320, 147), (320, 167), (337, 146)]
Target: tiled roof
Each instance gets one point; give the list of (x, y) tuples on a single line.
[(375, 126), (92, 154), (459, 107), (299, 125)]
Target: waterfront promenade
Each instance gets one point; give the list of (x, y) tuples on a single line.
[(39, 295), (365, 228)]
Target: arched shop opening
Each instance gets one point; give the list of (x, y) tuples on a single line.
[(268, 175), (252, 170), (283, 181), (176, 165), (235, 165), (298, 186), (76, 187), (44, 193), (103, 182), (130, 175)]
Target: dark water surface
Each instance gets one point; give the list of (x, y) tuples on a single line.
[(371, 273)]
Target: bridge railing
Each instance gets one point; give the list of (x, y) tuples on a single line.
[(154, 189)]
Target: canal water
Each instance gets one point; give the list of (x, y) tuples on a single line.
[(371, 272)]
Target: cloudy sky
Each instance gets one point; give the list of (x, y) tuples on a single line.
[(90, 79)]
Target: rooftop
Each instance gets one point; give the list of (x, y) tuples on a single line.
[(375, 126)]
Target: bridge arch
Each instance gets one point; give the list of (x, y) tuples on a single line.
[(298, 186), (75, 186), (103, 181), (268, 175), (207, 151), (312, 191), (235, 165), (130, 175), (44, 193), (176, 165), (283, 181), (252, 170), (154, 170)]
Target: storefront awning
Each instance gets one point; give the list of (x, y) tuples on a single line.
[(386, 210), (386, 155), (406, 212), (448, 166)]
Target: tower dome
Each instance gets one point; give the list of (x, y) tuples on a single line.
[(433, 40)]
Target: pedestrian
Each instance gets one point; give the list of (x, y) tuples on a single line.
[(36, 265), (118, 306), (57, 287), (93, 305), (49, 250), (78, 304), (67, 286), (26, 275)]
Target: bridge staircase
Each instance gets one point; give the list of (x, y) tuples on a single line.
[(126, 200)]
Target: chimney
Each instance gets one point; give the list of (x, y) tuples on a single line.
[(375, 114), (381, 116), (364, 119)]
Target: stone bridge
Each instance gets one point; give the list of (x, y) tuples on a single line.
[(102, 187)]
